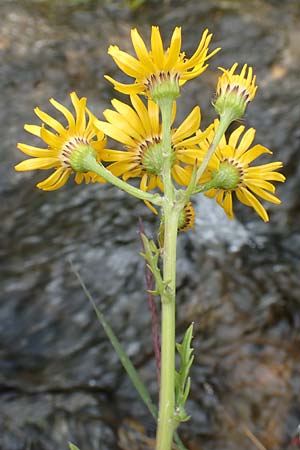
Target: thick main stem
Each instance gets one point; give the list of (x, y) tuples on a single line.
[(166, 422)]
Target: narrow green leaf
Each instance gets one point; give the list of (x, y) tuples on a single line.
[(182, 379), (72, 446), (126, 362)]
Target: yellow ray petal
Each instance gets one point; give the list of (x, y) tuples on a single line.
[(153, 113), (203, 44), (119, 168), (53, 140), (180, 175), (141, 51), (79, 106), (211, 193), (252, 201), (220, 197), (121, 123), (160, 184), (52, 178), (157, 48), (98, 145), (256, 182), (33, 129), (174, 49), (227, 151), (271, 176), (65, 112), (53, 123), (114, 133), (253, 153), (245, 143), (235, 135), (55, 180), (191, 142), (36, 151), (228, 204), (144, 187), (265, 168), (142, 113), (127, 63), (136, 172), (194, 73), (134, 88), (188, 126), (265, 195), (36, 163), (130, 113), (117, 155), (189, 156)]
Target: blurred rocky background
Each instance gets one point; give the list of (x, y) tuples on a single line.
[(238, 281)]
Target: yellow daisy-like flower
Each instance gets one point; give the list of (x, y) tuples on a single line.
[(242, 84), (230, 169), (158, 65), (234, 92), (139, 129), (62, 143)]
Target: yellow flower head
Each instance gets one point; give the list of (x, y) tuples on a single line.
[(231, 173), (62, 144), (155, 66), (235, 91), (139, 129)]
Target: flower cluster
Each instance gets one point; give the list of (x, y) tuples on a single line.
[(224, 164)]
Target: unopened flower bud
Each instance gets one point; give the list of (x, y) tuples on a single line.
[(234, 92), (186, 218)]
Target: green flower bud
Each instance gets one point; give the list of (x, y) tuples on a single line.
[(186, 218), (231, 103), (234, 92)]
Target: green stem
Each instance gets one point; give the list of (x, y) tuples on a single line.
[(166, 115), (206, 186), (90, 164), (166, 423), (225, 121)]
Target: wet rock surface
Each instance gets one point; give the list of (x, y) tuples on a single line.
[(238, 281)]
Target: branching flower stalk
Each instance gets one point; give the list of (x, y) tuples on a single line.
[(172, 165), (84, 160)]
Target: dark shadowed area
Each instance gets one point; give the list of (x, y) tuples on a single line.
[(238, 281)]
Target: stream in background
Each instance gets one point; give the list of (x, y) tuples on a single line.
[(238, 281)]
